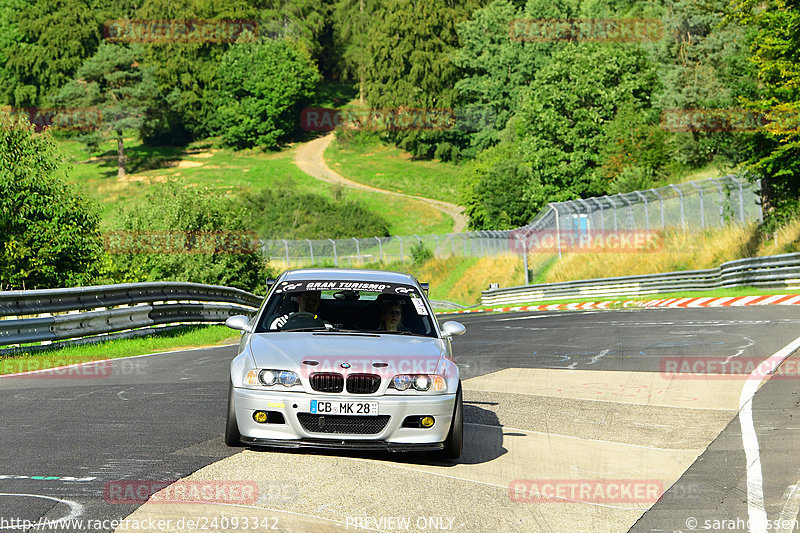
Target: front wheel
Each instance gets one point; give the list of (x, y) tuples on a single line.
[(454, 445), (232, 436)]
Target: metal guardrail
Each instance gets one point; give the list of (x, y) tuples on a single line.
[(86, 314), (777, 271)]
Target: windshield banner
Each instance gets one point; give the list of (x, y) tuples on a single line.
[(367, 286)]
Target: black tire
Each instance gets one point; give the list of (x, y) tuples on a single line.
[(232, 436), (454, 445)]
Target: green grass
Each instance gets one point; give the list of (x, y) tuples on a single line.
[(181, 338), (204, 163), (389, 168)]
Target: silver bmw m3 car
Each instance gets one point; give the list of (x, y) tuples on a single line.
[(352, 359)]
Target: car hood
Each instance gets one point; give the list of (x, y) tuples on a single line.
[(287, 351)]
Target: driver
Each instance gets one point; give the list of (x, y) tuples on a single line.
[(305, 316)]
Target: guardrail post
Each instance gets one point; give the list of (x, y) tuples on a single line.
[(335, 259), (311, 248)]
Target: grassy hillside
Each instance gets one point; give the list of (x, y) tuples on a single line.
[(202, 163), (369, 161)]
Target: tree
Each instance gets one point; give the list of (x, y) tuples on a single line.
[(119, 88), (410, 47), (193, 234), (49, 234), (260, 89), (704, 65), (57, 35), (496, 67), (776, 150), (351, 20)]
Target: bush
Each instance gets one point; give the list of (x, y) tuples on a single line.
[(420, 253), (284, 212), (49, 234), (189, 234), (260, 88)]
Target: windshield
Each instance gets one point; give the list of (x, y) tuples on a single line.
[(346, 306)]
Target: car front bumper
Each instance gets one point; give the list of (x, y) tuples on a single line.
[(393, 437)]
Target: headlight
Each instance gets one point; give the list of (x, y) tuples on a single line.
[(269, 377), (419, 382)]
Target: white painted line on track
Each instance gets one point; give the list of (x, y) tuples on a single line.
[(75, 510), (755, 489), (791, 508)]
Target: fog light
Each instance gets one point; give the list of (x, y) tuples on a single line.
[(260, 417), (427, 421)]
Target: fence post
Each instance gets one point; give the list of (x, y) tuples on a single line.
[(358, 252), (335, 259), (436, 253), (646, 213), (286, 247), (683, 216), (702, 207), (380, 248), (401, 246), (630, 210), (741, 200), (558, 232), (721, 203), (760, 207), (311, 248), (661, 202)]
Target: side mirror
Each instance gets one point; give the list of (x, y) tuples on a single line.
[(452, 328), (239, 323)]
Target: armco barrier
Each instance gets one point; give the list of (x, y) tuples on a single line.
[(771, 272), (85, 314)]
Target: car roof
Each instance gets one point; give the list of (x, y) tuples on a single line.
[(349, 274)]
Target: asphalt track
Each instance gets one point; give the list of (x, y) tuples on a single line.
[(550, 397)]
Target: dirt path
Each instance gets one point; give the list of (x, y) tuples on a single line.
[(309, 159)]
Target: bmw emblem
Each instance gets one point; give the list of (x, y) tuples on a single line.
[(345, 365)]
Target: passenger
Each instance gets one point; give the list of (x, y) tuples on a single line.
[(392, 316)]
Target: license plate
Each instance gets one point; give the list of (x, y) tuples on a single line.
[(334, 407)]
